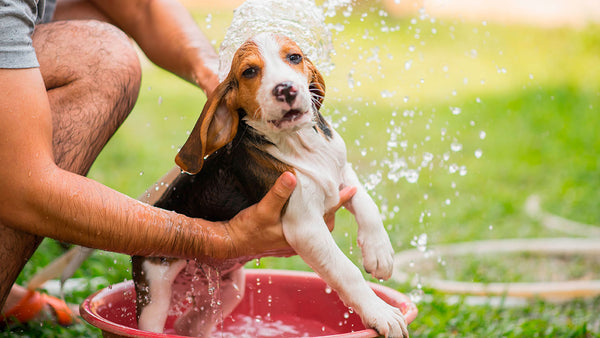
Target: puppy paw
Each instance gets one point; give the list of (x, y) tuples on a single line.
[(377, 252), (387, 320)]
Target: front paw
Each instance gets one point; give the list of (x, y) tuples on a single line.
[(387, 320), (377, 252)]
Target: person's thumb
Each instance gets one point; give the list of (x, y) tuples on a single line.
[(278, 195)]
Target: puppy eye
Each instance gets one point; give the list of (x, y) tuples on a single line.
[(250, 72), (294, 58)]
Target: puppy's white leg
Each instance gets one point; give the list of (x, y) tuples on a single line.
[(307, 233), (160, 279), (372, 238)]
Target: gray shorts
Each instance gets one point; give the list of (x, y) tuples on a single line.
[(17, 21)]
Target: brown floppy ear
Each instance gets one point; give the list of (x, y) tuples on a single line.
[(215, 128), (316, 84)]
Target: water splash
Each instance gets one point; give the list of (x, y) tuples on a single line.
[(301, 20)]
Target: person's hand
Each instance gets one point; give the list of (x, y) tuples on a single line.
[(208, 83), (346, 195), (257, 231)]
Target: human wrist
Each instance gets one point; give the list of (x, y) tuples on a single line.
[(206, 79), (199, 238)]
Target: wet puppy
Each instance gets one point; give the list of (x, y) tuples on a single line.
[(262, 120)]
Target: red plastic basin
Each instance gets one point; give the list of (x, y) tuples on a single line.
[(277, 303)]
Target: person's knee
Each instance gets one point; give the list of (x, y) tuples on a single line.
[(95, 52), (92, 74), (118, 65)]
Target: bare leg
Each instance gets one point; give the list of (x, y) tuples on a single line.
[(92, 76)]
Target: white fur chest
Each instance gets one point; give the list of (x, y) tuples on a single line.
[(318, 162)]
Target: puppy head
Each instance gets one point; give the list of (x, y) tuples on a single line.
[(271, 85)]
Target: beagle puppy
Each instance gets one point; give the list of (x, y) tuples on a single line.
[(262, 120)]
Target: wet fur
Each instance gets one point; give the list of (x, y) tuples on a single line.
[(236, 166), (232, 179)]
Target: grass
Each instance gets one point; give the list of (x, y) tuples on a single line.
[(529, 102)]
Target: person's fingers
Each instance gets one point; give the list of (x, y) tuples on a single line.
[(278, 195), (346, 195)]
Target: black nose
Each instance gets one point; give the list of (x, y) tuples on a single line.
[(285, 91)]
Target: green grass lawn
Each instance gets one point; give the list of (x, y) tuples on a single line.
[(451, 125)]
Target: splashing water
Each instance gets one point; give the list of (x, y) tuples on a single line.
[(407, 160), (301, 20)]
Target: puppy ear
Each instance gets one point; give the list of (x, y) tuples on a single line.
[(316, 84), (215, 128)]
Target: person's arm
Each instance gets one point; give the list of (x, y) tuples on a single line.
[(39, 198), (168, 35)]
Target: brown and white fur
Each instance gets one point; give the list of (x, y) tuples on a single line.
[(262, 120)]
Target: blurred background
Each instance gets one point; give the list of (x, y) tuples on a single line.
[(454, 112)]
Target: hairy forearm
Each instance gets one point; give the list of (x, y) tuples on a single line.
[(75, 209), (39, 198), (168, 35)]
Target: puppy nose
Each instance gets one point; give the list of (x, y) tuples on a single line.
[(285, 91)]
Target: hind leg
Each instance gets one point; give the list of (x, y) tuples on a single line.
[(211, 307)]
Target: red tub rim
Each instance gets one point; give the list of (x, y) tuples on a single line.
[(88, 307)]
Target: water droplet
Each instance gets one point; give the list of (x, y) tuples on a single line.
[(208, 21), (372, 181), (478, 153), (412, 176), (386, 94), (455, 110), (482, 134), (455, 146), (420, 242), (416, 295), (328, 289), (350, 81), (408, 64), (160, 100)]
